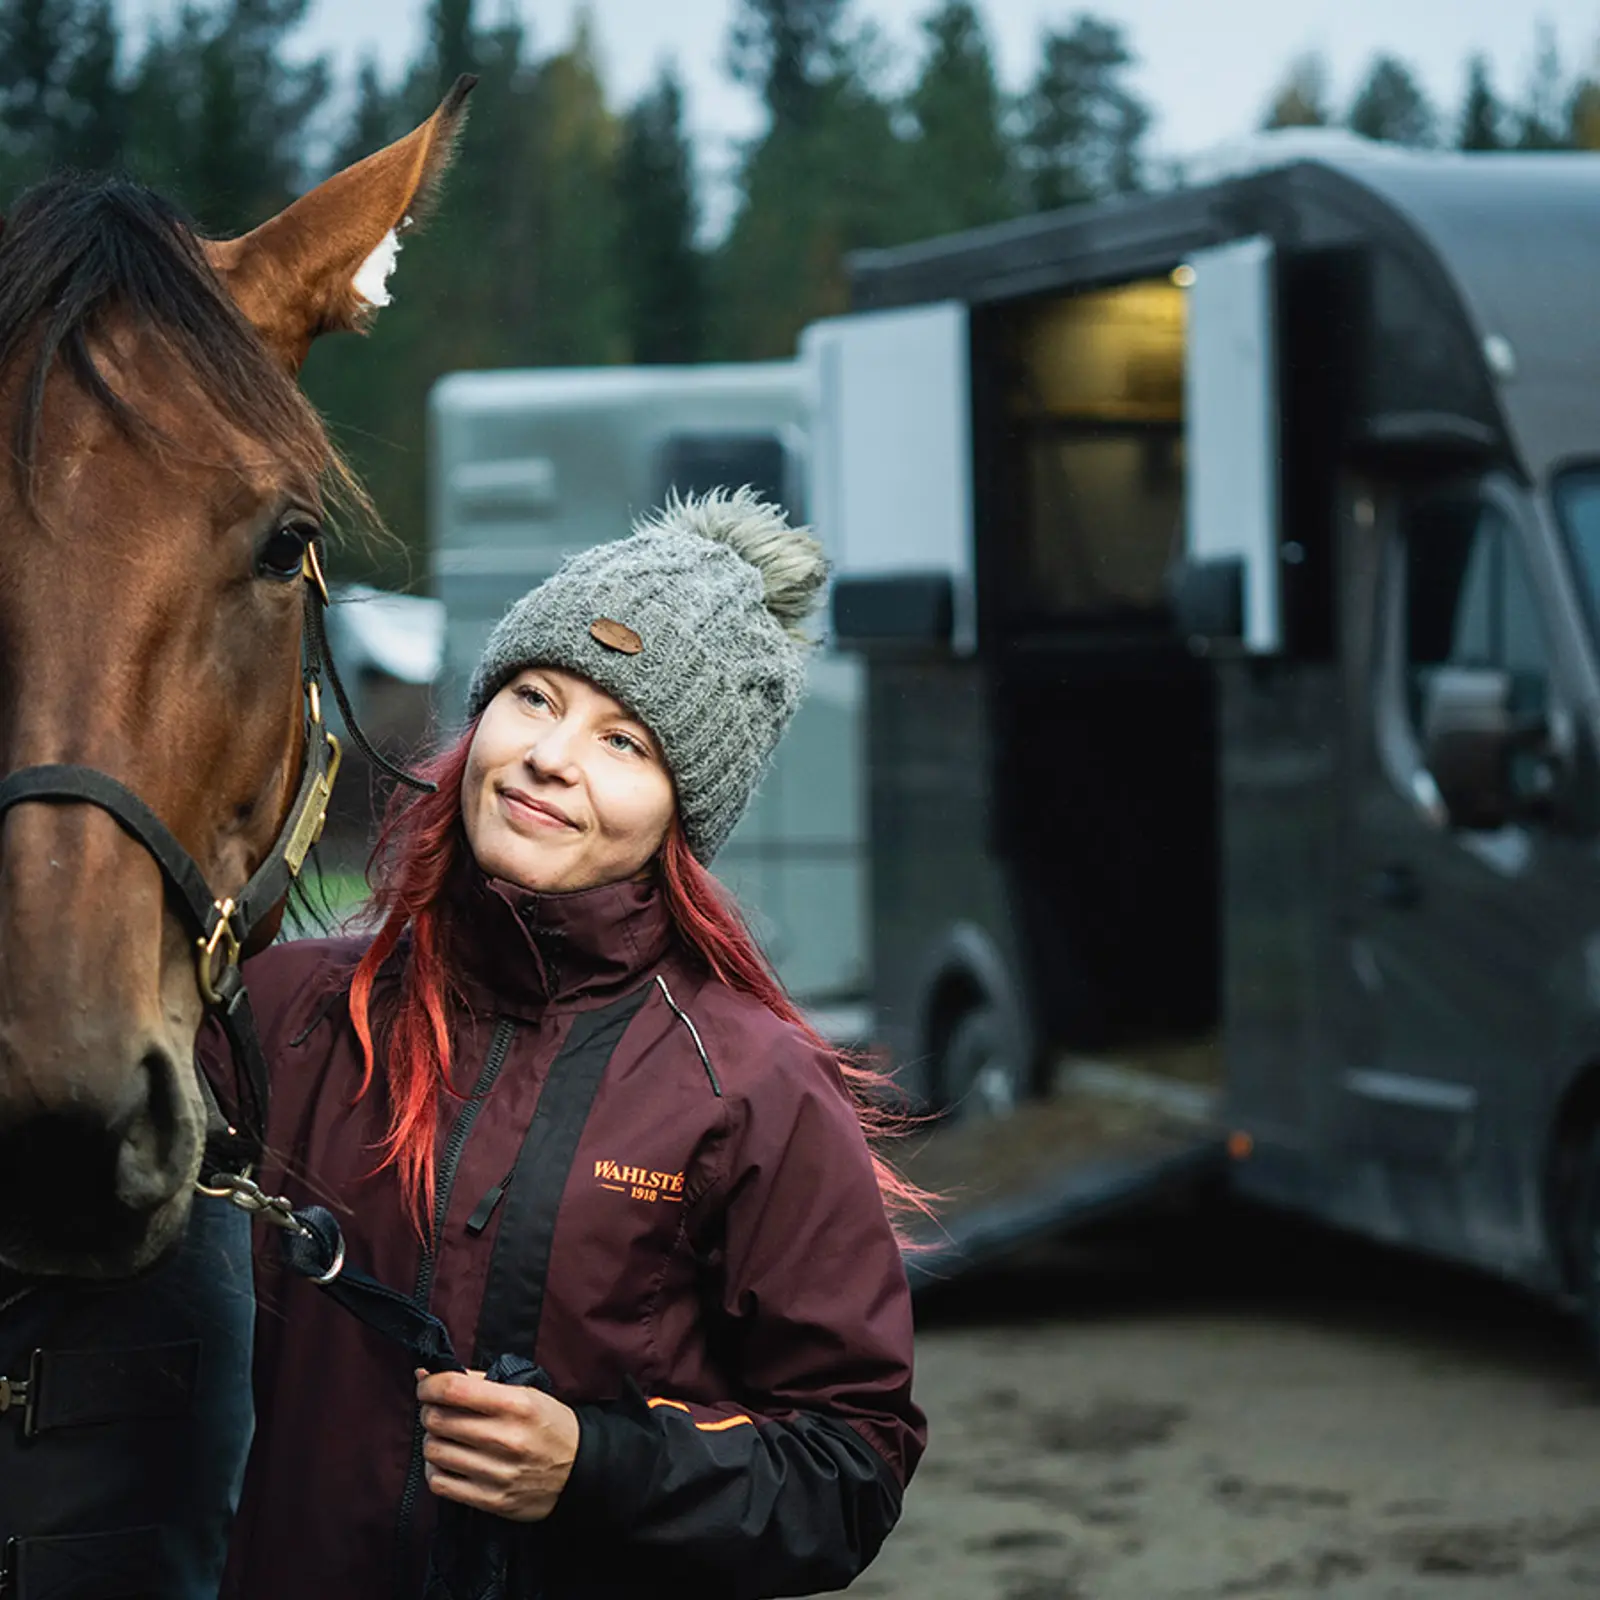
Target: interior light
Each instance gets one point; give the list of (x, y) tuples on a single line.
[(1183, 276)]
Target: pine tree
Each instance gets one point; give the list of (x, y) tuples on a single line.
[(788, 51), (1390, 106), (1481, 113), (826, 178), (1583, 115), (61, 98), (961, 172), (663, 271), (577, 267), (454, 43), (1541, 120), (1301, 100), (219, 114), (34, 53), (1081, 126), (95, 122)]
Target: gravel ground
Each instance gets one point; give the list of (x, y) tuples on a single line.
[(1246, 1407)]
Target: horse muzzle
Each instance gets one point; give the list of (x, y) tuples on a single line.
[(95, 1180)]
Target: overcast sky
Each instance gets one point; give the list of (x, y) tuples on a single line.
[(1206, 66)]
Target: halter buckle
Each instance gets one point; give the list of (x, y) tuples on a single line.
[(222, 941), (309, 824), (311, 570)]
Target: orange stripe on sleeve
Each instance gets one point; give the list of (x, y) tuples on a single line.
[(657, 1400), (724, 1425)]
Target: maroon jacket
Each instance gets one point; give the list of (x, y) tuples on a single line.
[(697, 1256)]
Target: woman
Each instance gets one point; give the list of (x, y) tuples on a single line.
[(562, 1098)]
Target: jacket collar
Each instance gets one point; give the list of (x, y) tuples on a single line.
[(524, 953)]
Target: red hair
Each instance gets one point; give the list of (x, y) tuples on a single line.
[(421, 844)]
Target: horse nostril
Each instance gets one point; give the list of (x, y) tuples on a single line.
[(157, 1138)]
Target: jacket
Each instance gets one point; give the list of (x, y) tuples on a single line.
[(668, 1188)]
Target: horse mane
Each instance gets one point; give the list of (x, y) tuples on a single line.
[(77, 250)]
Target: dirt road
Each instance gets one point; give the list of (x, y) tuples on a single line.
[(1257, 1410)]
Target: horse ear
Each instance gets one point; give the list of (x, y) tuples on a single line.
[(322, 264)]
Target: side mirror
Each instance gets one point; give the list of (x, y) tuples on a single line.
[(1477, 750)]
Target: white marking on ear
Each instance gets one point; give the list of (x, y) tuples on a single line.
[(371, 281)]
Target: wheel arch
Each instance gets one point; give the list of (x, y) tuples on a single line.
[(967, 969)]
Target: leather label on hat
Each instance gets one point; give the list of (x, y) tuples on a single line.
[(615, 636)]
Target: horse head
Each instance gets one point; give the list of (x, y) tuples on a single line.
[(168, 474)]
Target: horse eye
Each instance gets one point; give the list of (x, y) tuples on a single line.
[(285, 548)]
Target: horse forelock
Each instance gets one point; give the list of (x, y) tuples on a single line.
[(80, 258)]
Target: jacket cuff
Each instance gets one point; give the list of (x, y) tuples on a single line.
[(619, 1448)]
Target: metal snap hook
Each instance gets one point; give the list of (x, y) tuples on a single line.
[(222, 941)]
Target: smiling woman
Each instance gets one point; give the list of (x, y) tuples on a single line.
[(561, 1096), (565, 788)]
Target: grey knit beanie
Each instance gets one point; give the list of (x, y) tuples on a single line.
[(693, 623)]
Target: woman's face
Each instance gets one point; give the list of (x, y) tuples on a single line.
[(564, 789)]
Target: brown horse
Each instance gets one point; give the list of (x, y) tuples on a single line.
[(168, 474)]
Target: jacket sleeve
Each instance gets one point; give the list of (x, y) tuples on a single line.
[(793, 1488)]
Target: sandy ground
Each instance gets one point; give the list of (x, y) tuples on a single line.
[(1246, 1407)]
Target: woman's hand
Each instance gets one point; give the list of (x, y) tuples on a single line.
[(494, 1446)]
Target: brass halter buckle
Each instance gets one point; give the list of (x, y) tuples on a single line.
[(219, 954), (311, 570)]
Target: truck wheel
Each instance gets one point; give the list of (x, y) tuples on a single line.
[(979, 1075)]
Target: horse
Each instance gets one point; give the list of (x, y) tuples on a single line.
[(160, 518)]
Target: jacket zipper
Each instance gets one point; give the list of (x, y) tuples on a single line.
[(444, 1182), (479, 1220)]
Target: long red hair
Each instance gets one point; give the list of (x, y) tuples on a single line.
[(421, 844)]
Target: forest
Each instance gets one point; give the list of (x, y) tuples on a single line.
[(572, 230)]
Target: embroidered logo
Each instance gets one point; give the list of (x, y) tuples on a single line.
[(639, 1183)]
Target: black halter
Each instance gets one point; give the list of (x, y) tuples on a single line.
[(223, 925)]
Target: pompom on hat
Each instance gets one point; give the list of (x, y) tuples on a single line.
[(695, 623)]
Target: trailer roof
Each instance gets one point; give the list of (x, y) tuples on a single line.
[(1517, 235)]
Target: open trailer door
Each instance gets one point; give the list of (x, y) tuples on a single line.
[(1230, 582), (891, 441)]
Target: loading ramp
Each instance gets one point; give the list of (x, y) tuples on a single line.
[(1110, 1137)]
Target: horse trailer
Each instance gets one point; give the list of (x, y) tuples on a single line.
[(1226, 567)]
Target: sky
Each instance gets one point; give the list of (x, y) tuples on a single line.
[(1207, 67)]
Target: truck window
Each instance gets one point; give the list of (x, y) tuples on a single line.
[(1469, 601)]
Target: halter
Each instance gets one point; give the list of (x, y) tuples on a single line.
[(222, 926)]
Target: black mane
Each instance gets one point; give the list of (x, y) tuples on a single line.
[(75, 251)]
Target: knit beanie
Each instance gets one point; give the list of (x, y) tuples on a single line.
[(694, 624)]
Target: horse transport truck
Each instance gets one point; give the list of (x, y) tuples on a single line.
[(1226, 566)]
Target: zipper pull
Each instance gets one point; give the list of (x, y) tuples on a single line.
[(479, 1220)]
